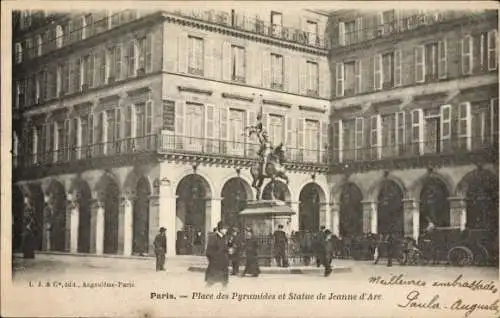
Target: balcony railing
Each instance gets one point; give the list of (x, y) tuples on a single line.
[(404, 24), (164, 144), (257, 26), (454, 146)]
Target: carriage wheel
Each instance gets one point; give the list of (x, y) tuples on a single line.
[(483, 256), (460, 256)]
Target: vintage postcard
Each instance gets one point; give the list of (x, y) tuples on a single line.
[(249, 159)]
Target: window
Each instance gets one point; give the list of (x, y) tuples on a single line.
[(431, 61), (389, 133), (375, 134), (75, 75), (65, 70), (388, 70), (195, 56), (115, 65), (145, 54), (276, 128), (25, 19), (312, 32), (494, 119), (349, 78), (194, 116), (467, 55), (420, 64), (276, 23), (100, 67), (398, 77), (312, 78), (492, 50), (442, 59), (464, 127), (276, 71), (88, 72), (131, 59), (18, 53), (359, 138), (417, 133), (350, 32), (21, 93), (311, 140), (339, 79), (51, 83), (388, 22), (38, 45), (238, 64), (128, 122)]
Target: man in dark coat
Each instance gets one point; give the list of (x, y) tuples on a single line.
[(391, 248), (329, 250), (218, 260), (319, 246), (234, 249), (280, 245), (251, 255), (160, 245)]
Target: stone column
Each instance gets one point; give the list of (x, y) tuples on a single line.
[(47, 225), (325, 208), (97, 227), (294, 222), (154, 220), (214, 213), (458, 212), (411, 217), (335, 211), (167, 210), (125, 223), (370, 217), (74, 222)]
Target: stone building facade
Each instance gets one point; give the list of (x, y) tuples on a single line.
[(127, 121), (414, 119)]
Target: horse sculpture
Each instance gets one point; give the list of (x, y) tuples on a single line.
[(273, 170)]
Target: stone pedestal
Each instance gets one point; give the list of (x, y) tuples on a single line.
[(294, 221), (411, 218), (370, 217), (74, 221), (458, 212), (335, 212)]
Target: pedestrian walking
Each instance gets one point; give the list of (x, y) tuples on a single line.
[(280, 246), (319, 246), (160, 246), (217, 255), (251, 255), (329, 251), (234, 249), (391, 248)]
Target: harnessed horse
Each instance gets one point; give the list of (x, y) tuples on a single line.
[(273, 170)]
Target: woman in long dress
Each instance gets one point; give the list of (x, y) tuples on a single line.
[(218, 260), (251, 255)]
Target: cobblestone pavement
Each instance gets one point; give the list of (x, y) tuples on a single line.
[(135, 280)]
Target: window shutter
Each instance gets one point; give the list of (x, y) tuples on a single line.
[(339, 79), (224, 128), (445, 127), (210, 128), (149, 117), (266, 69), (323, 144), (341, 33), (287, 73), (378, 129), (303, 76), (359, 137), (208, 62), (340, 133), (252, 141), (118, 63), (265, 122), (180, 110), (420, 64), (182, 52), (104, 127), (494, 119), (291, 141), (59, 36), (442, 59), (118, 121), (324, 80), (467, 55), (359, 29), (90, 130), (464, 129), (398, 78), (357, 74), (417, 130), (300, 133), (377, 72), (492, 50)]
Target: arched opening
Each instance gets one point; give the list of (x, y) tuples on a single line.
[(235, 194), (83, 199), (311, 198), (17, 218), (37, 201), (193, 194), (140, 243), (390, 209), (57, 217), (111, 214), (434, 204), (281, 191), (351, 211), (482, 201)]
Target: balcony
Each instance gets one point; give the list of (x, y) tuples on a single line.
[(452, 151), (127, 152), (353, 35), (256, 26)]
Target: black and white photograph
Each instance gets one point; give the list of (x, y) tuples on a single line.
[(250, 159)]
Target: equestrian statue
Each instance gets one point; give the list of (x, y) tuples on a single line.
[(270, 165)]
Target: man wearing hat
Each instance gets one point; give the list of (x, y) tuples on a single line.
[(160, 245), (218, 260), (280, 246), (328, 251), (234, 249)]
